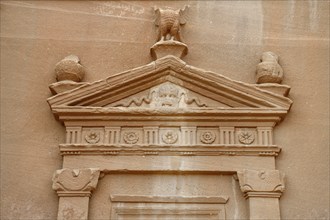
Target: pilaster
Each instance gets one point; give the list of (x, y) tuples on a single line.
[(74, 187), (262, 188)]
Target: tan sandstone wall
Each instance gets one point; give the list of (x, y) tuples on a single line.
[(227, 37)]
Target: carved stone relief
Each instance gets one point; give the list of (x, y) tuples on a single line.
[(208, 135), (75, 182), (246, 136), (175, 115), (261, 182), (169, 135), (131, 135), (166, 95), (93, 135)]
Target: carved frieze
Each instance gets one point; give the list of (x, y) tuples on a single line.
[(75, 182), (184, 135)]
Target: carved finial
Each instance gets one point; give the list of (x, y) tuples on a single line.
[(69, 73), (269, 71), (169, 22), (69, 69)]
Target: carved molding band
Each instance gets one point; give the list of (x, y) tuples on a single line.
[(261, 183), (164, 150), (75, 182), (170, 199)]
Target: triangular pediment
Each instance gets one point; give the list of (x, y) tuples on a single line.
[(170, 82)]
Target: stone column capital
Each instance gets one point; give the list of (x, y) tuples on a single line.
[(75, 182), (261, 183)]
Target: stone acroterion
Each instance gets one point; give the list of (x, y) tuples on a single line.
[(269, 71), (169, 22), (70, 69), (69, 73)]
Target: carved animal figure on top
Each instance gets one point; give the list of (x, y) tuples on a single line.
[(169, 21)]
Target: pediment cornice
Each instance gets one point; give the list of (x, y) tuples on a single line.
[(241, 98)]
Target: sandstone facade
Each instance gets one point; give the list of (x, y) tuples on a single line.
[(225, 38)]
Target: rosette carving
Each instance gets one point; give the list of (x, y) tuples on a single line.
[(92, 137), (208, 137), (131, 137), (246, 137), (170, 137)]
